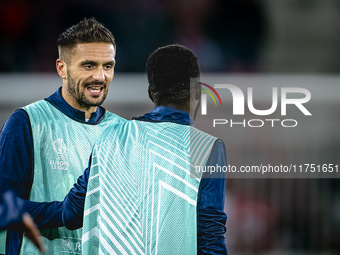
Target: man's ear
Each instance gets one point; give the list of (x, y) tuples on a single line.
[(150, 95), (61, 68), (197, 97), (198, 93), (197, 107)]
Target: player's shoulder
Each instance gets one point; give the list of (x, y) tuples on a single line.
[(122, 127), (39, 103), (113, 116), (195, 132), (201, 138), (17, 120), (38, 109), (113, 126), (19, 115)]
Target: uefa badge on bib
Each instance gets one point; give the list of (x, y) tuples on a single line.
[(59, 146)]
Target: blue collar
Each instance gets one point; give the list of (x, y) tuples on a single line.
[(167, 114), (59, 102)]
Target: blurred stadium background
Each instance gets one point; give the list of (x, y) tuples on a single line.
[(248, 43)]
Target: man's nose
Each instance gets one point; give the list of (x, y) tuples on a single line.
[(99, 74)]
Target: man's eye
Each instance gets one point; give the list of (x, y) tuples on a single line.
[(108, 66), (88, 66)]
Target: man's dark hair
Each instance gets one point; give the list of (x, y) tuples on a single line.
[(169, 71), (86, 31)]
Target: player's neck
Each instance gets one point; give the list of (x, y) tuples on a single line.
[(74, 104), (184, 109)]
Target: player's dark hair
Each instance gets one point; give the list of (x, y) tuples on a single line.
[(86, 31), (169, 71)]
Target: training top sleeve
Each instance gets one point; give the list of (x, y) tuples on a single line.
[(73, 204), (16, 155), (68, 213), (16, 165), (211, 215), (16, 174), (11, 211)]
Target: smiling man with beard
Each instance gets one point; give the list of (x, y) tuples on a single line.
[(89, 71), (45, 145)]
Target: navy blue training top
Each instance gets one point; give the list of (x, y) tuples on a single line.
[(16, 161)]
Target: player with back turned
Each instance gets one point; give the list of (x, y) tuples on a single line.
[(44, 145)]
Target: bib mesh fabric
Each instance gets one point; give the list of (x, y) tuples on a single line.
[(62, 147), (141, 198)]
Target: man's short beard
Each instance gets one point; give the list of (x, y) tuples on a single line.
[(80, 97)]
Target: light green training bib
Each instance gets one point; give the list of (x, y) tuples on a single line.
[(142, 191), (62, 147)]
